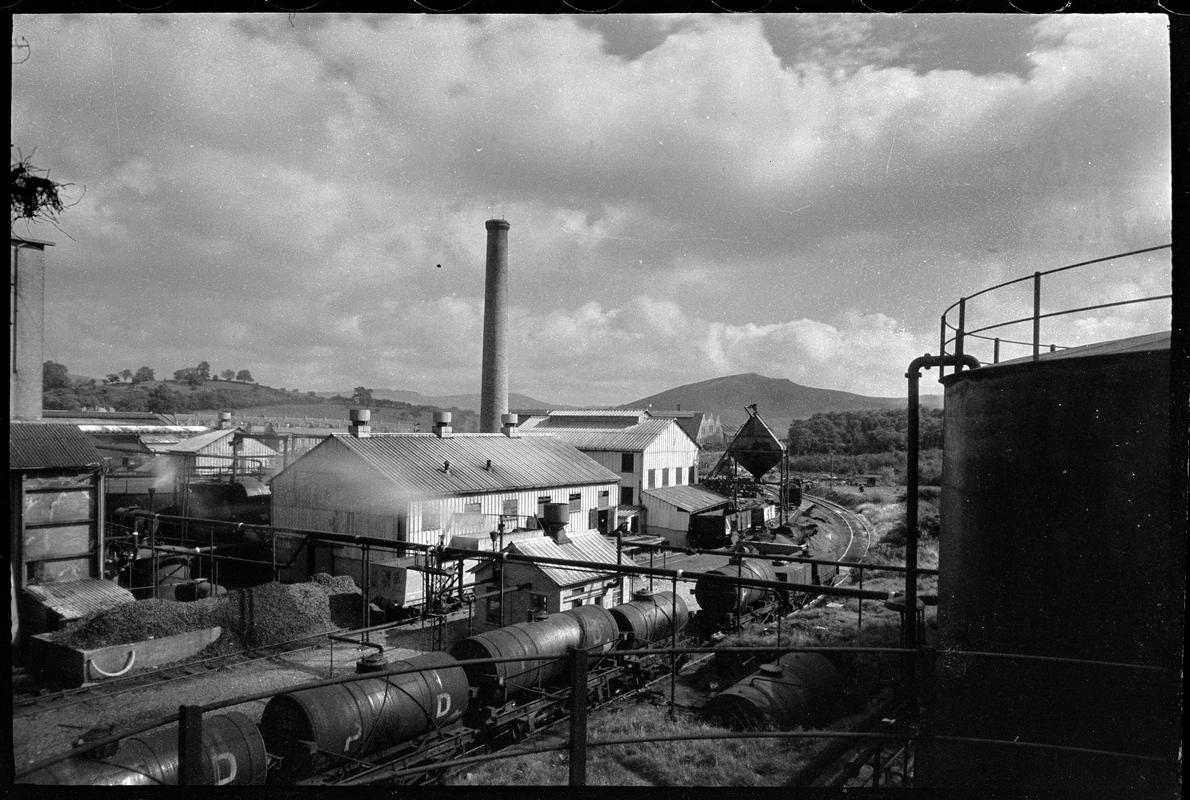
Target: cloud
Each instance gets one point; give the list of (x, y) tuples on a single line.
[(688, 194)]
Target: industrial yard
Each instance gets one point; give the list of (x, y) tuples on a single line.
[(822, 440)]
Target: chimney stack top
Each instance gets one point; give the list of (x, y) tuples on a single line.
[(497, 224)]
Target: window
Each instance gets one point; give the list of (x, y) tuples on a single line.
[(652, 479), (430, 518), (509, 508), (471, 508), (576, 502), (494, 609), (665, 476), (576, 603), (690, 479), (604, 499), (627, 462), (625, 495)]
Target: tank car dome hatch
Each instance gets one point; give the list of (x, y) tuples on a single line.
[(1057, 542)]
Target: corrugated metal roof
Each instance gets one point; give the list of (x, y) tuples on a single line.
[(630, 438), (688, 498), (108, 417), (201, 441), (581, 547), (178, 431), (635, 413), (76, 599), (49, 445), (414, 462)]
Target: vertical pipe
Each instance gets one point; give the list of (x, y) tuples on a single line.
[(578, 717), (494, 386), (859, 625), (942, 343), (1036, 315), (503, 597), (365, 617), (996, 352), (190, 745), (27, 354), (673, 643)]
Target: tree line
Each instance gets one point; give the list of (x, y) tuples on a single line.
[(862, 432)]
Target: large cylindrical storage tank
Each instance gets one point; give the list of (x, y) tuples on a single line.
[(650, 619), (354, 719), (798, 689), (719, 599), (233, 752), (1057, 542)]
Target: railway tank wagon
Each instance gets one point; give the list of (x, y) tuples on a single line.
[(650, 619), (1057, 542), (314, 729), (720, 600), (797, 689)]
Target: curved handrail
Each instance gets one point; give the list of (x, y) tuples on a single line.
[(961, 332)]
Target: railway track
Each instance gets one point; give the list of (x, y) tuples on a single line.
[(859, 530)]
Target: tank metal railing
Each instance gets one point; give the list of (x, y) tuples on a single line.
[(962, 333)]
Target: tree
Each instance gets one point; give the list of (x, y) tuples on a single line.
[(143, 375), (228, 374), (204, 370), (112, 378), (54, 376), (163, 400), (361, 396), (126, 374), (244, 375)]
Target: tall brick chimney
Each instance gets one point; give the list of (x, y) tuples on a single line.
[(493, 398)]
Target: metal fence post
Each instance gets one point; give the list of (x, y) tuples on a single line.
[(1036, 315), (190, 745), (942, 344), (673, 658), (578, 717), (958, 337)]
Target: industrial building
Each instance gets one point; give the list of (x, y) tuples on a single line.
[(430, 488), (551, 588), (648, 452)]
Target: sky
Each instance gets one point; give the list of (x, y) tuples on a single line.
[(690, 196)]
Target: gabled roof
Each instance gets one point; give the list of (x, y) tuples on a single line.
[(50, 445), (581, 547), (692, 499), (415, 462), (630, 436), (201, 441)]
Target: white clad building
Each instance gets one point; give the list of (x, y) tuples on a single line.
[(446, 488), (648, 452)]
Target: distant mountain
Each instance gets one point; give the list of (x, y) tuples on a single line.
[(778, 400), (467, 402)]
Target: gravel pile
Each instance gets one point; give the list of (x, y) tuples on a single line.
[(271, 613)]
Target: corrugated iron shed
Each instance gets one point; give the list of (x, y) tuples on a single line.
[(581, 547), (50, 445), (692, 499), (415, 462), (628, 438), (202, 441)]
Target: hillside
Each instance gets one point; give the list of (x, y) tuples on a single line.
[(466, 402), (778, 400)]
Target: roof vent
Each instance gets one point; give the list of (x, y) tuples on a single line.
[(508, 424), (360, 422), (446, 467), (442, 428), (488, 466), (553, 519), (224, 419)]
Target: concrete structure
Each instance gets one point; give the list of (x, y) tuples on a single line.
[(494, 387), (647, 451), (551, 588), (430, 488), (26, 326)]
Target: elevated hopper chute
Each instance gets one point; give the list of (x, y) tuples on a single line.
[(755, 447)]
